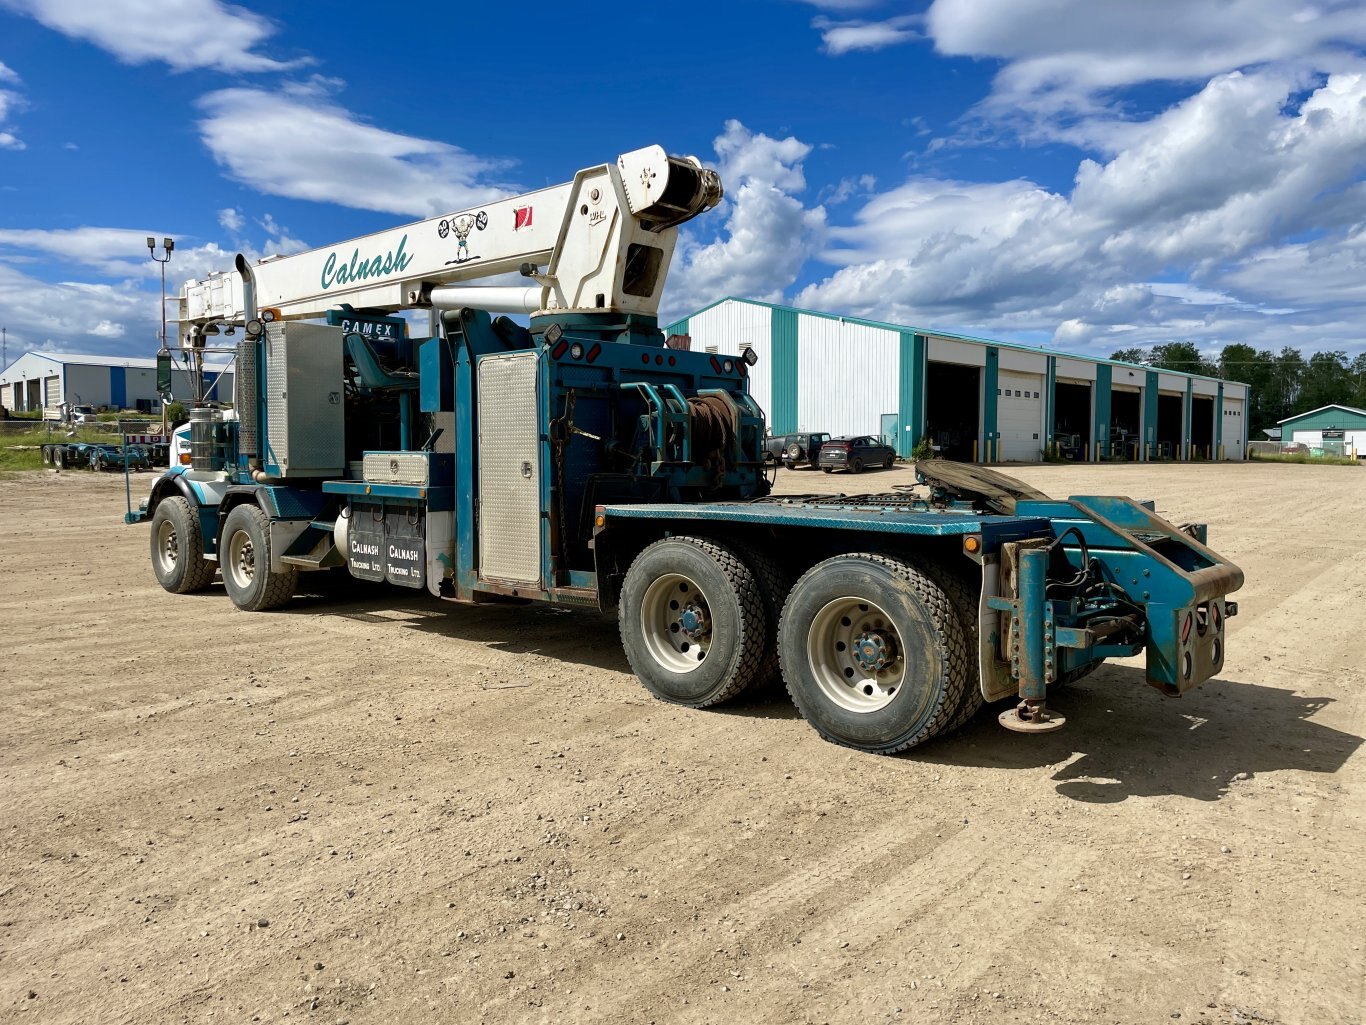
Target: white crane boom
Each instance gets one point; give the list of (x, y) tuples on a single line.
[(602, 242)]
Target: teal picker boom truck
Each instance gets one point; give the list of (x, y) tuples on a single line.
[(581, 461)]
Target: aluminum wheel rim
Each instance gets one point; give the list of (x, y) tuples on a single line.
[(168, 545), (241, 559), (856, 654), (675, 621)]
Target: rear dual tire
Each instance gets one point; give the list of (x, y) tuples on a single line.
[(874, 653), (693, 621)]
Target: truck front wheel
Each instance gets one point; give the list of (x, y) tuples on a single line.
[(692, 621), (178, 548), (245, 557), (874, 656)]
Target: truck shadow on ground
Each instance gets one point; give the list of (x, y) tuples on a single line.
[(1123, 739), (581, 636)]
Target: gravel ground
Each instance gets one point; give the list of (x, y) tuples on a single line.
[(375, 807)]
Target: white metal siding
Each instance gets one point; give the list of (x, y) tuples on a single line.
[(1204, 386), (87, 386), (1078, 369), (1019, 416), (1026, 362), (847, 375), (1354, 442), (1171, 383), (948, 350), (726, 326)]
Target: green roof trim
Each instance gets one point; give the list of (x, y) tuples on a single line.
[(1322, 409)]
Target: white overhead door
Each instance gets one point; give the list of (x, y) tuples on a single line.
[(1019, 416), (1234, 428), (52, 392)]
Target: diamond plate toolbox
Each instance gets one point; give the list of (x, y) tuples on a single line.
[(417, 469)]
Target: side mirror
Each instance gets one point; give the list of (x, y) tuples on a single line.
[(164, 372)]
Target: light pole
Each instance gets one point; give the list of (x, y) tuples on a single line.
[(167, 245)]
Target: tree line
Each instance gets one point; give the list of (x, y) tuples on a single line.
[(1281, 384)]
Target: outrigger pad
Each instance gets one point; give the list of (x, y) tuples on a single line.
[(967, 481)]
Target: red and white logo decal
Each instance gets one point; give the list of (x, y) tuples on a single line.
[(523, 214)]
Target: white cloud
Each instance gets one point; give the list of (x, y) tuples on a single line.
[(1061, 56), (1215, 190), (77, 316), (10, 101), (323, 152), (121, 253), (768, 233), (278, 240), (184, 34), (115, 252), (841, 37), (231, 220), (847, 188)]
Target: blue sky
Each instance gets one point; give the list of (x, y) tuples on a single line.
[(1086, 176)]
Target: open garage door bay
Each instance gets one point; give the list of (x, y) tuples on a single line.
[(1019, 416)]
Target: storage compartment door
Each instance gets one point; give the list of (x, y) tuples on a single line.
[(509, 470)]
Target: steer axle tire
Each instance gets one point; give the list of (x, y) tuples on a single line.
[(693, 622), (178, 548)]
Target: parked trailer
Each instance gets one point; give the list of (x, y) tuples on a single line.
[(582, 462)]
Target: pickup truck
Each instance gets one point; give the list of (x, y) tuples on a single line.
[(794, 449)]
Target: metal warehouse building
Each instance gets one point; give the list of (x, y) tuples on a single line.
[(975, 399), (1339, 430), (38, 380)]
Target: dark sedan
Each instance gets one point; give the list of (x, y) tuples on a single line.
[(855, 453)]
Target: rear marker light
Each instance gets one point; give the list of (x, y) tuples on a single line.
[(558, 351), (576, 350), (673, 361), (594, 352), (728, 366), (1186, 629), (716, 364)]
